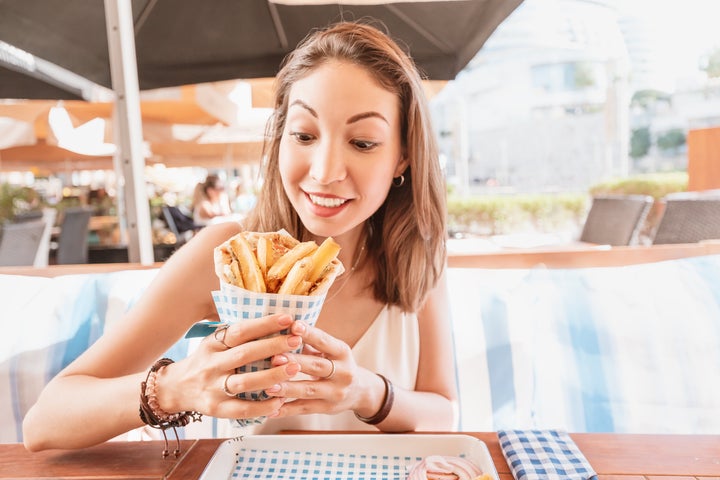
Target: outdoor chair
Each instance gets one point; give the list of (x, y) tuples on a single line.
[(616, 219), (20, 243), (46, 215), (689, 217), (180, 224), (43, 253), (73, 240), (28, 216)]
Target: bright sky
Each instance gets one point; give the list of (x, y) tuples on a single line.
[(684, 29)]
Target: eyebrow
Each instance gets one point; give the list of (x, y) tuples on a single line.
[(361, 116), (353, 119)]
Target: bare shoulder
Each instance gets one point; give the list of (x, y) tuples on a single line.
[(216, 234), (195, 258), (210, 237)]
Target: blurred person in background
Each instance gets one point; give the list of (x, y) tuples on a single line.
[(210, 200), (244, 199)]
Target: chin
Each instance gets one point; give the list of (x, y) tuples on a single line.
[(322, 229)]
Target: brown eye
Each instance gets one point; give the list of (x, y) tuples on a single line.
[(302, 137), (364, 145)]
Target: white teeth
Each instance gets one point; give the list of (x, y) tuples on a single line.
[(326, 202)]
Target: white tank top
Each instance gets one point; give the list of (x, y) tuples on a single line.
[(391, 347)]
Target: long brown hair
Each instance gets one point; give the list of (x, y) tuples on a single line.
[(406, 235)]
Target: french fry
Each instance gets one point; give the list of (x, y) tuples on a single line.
[(296, 276), (264, 254), (278, 263), (250, 271), (303, 288), (323, 285), (321, 258), (283, 264), (236, 274)]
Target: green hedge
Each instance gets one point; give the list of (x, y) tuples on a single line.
[(501, 214), (16, 200), (657, 185), (545, 213)]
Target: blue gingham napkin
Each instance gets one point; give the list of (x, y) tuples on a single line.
[(544, 455)]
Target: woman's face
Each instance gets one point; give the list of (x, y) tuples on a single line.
[(341, 147)]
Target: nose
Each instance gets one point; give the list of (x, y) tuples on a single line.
[(328, 165)]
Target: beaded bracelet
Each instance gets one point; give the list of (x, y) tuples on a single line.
[(386, 406), (152, 415)]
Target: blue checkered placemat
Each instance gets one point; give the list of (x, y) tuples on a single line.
[(261, 464), (544, 455)]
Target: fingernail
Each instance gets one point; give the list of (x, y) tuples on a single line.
[(274, 389), (279, 360), (299, 327), (292, 369), (294, 341), (284, 320)]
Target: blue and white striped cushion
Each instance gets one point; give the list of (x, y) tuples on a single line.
[(47, 323), (623, 349)]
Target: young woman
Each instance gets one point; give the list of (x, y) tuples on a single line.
[(351, 155), (210, 200)]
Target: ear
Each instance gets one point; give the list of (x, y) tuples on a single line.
[(402, 165)]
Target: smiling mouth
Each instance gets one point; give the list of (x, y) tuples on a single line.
[(330, 202)]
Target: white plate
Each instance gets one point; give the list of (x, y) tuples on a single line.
[(335, 457)]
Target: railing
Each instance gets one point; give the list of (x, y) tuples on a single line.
[(578, 256), (560, 256)]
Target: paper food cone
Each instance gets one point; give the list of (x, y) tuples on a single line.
[(235, 304)]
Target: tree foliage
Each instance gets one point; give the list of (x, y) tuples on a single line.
[(646, 98), (712, 66), (671, 140), (583, 74), (640, 142)]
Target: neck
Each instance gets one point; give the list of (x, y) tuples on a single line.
[(351, 242)]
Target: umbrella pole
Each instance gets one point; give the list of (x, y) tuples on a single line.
[(129, 140)]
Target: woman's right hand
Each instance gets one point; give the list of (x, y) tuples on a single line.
[(198, 382)]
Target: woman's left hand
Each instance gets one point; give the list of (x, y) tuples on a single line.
[(334, 380)]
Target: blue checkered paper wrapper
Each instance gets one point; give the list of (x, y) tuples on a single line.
[(235, 304), (544, 455), (283, 464)]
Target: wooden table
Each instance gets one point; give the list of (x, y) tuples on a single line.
[(614, 457)]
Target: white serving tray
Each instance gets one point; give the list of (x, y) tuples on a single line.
[(338, 457)]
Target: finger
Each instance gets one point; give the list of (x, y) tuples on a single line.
[(310, 350), (236, 408), (320, 340), (256, 350), (261, 380), (251, 329), (320, 367), (303, 390), (304, 407)]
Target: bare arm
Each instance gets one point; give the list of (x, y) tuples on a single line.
[(433, 404), (97, 396)]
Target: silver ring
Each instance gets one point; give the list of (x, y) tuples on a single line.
[(221, 339), (332, 370), (225, 387)]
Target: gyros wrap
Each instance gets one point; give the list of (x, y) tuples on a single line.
[(265, 273)]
